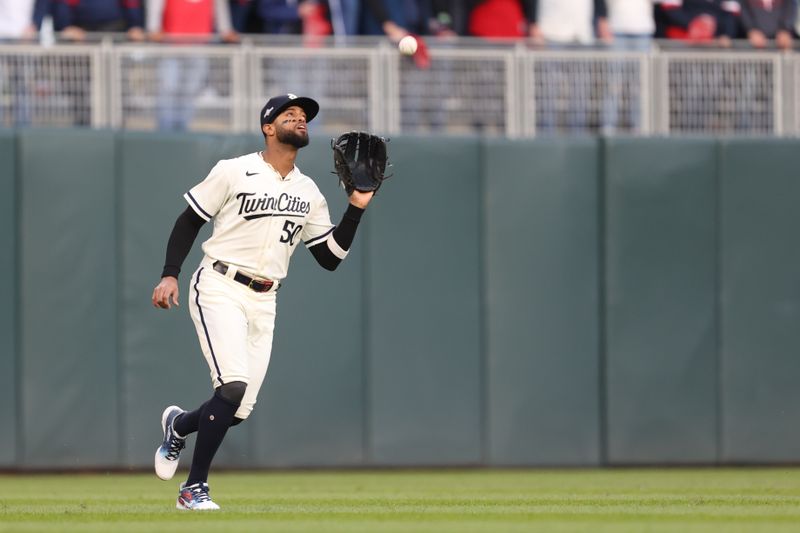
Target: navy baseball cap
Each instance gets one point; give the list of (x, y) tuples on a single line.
[(278, 104)]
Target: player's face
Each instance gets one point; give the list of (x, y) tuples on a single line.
[(290, 127)]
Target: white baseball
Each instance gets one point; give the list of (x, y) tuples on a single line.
[(407, 45)]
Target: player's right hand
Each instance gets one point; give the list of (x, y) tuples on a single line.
[(167, 289)]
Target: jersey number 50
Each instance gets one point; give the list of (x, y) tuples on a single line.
[(290, 231)]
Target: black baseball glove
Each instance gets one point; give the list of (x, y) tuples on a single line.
[(360, 160)]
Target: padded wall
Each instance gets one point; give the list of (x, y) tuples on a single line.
[(423, 306), (8, 299), (760, 308), (542, 307), (545, 302), (660, 279), (68, 288)]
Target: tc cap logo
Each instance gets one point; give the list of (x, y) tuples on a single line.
[(277, 104)]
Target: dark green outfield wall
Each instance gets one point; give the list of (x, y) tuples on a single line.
[(9, 321), (544, 302), (540, 256), (660, 315)]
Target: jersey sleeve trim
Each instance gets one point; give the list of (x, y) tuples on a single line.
[(196, 206), (334, 247), (317, 239)]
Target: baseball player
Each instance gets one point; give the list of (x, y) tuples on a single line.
[(262, 207)]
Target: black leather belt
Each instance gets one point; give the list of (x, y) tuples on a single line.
[(258, 285)]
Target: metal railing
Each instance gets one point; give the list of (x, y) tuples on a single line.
[(509, 89)]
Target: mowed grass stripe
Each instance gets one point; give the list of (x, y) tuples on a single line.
[(416, 501)]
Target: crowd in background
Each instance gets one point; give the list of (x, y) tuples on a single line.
[(765, 23), (624, 25)]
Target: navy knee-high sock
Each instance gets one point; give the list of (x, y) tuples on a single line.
[(215, 419), (187, 423)]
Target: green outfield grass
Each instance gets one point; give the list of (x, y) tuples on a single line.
[(415, 501)]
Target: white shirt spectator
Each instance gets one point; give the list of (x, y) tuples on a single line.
[(566, 21), (631, 17), (15, 17)]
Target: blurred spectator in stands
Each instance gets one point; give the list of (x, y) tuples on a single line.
[(41, 9), (393, 18), (244, 17), (15, 23), (181, 78), (491, 20), (797, 20), (632, 26), (422, 90), (282, 17), (700, 99), (77, 17), (762, 21), (564, 22), (497, 19), (15, 19), (344, 17), (398, 18), (698, 21), (631, 23), (74, 18), (566, 86), (769, 19), (189, 21), (447, 18)]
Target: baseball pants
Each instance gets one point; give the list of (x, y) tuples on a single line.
[(234, 326)]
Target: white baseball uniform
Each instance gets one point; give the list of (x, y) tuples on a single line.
[(259, 218)]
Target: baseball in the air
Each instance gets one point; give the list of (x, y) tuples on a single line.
[(407, 45)]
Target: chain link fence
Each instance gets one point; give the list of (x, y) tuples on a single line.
[(719, 93), (461, 92), (52, 87), (470, 87), (345, 81), (575, 92), (176, 88)]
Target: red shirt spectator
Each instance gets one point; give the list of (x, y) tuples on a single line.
[(189, 17), (697, 20), (498, 18)]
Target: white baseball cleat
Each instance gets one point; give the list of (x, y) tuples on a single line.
[(167, 455), (195, 498)]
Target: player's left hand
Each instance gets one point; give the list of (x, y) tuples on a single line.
[(361, 199)]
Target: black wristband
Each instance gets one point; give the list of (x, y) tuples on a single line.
[(353, 213), (343, 234)]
